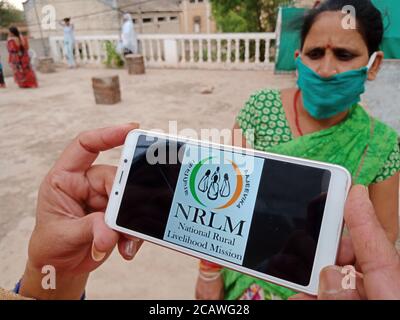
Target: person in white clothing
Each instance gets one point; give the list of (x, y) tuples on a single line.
[(128, 36)]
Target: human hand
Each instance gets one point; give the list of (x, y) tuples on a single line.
[(70, 233), (377, 258)]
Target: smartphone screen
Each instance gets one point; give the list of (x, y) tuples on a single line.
[(258, 213)]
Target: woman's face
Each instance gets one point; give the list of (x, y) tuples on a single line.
[(330, 49)]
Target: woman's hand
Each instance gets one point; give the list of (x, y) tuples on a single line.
[(210, 289), (376, 256), (70, 233)]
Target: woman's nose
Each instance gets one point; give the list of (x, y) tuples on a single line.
[(327, 67)]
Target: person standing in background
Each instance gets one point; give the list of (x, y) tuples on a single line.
[(69, 41), (129, 36), (19, 60)]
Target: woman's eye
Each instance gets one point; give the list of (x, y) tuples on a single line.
[(315, 54), (344, 55)]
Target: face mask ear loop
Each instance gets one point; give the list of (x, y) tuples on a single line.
[(372, 60), (297, 71)]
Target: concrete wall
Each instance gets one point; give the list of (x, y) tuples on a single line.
[(36, 50), (107, 22), (158, 12), (160, 23), (382, 96)]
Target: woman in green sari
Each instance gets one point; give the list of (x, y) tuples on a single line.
[(322, 120)]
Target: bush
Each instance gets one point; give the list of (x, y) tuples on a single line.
[(113, 59)]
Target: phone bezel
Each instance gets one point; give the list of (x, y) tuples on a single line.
[(331, 227)]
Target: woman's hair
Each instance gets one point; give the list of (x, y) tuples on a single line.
[(15, 32), (66, 20), (369, 20)]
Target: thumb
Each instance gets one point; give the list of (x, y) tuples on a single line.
[(93, 229), (104, 238), (332, 285)]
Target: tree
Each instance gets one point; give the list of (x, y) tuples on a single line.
[(9, 14), (246, 15)]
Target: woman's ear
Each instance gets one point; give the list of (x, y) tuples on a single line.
[(374, 70)]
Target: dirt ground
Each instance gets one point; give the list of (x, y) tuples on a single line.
[(36, 125)]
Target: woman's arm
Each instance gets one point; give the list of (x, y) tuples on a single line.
[(385, 197), (25, 43), (238, 139), (67, 287)]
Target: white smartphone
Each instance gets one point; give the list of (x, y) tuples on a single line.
[(273, 217)]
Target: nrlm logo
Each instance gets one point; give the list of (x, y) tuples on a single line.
[(214, 184)]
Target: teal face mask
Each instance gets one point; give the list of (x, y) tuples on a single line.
[(324, 98)]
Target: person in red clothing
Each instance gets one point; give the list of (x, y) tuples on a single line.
[(19, 60)]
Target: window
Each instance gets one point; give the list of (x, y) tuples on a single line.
[(162, 19), (147, 20), (174, 18), (197, 24)]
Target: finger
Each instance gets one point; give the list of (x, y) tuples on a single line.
[(104, 238), (346, 253), (129, 246), (333, 285), (101, 179), (372, 247), (84, 149), (91, 231), (302, 296)]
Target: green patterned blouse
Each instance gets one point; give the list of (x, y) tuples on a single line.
[(264, 116)]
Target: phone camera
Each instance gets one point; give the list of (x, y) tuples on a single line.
[(126, 160)]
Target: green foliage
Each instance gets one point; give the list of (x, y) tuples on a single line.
[(113, 59), (246, 15), (233, 22), (9, 15)]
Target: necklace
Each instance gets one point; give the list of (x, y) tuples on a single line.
[(296, 114)]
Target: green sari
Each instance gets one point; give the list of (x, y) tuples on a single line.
[(360, 143)]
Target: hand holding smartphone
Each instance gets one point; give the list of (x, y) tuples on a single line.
[(273, 217)]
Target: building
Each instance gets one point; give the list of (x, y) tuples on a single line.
[(89, 17), (305, 3), (23, 29), (197, 17), (158, 16), (94, 17)]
